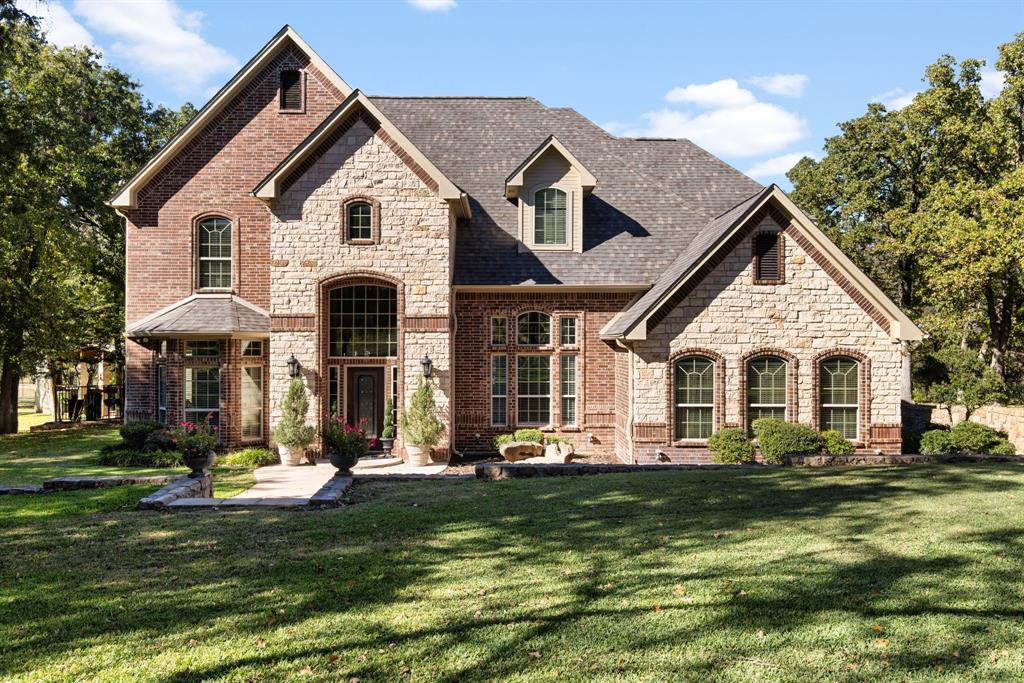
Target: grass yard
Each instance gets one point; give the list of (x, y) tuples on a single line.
[(776, 574), (27, 417)]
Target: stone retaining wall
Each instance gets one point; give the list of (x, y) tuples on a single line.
[(185, 487), (1008, 419)]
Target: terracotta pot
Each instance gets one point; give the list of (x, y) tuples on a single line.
[(199, 464), (291, 455), (416, 456), (343, 461)]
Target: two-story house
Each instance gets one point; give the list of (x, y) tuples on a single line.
[(632, 295)]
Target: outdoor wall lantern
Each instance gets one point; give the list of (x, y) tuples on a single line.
[(427, 365), (293, 366)]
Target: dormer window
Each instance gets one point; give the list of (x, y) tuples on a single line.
[(291, 91), (549, 217)]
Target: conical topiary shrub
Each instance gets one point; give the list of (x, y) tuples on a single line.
[(421, 427), (293, 435)]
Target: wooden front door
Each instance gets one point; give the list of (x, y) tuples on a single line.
[(365, 394)]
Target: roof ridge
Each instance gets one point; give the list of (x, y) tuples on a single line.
[(453, 97)]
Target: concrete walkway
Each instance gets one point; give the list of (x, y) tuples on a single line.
[(282, 481), (395, 467)]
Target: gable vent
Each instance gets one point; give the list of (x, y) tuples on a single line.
[(768, 257), (291, 90)]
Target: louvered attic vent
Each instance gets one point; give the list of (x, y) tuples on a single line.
[(768, 257), (291, 90)]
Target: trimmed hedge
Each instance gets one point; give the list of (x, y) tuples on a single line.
[(966, 437), (836, 443), (730, 446), (160, 440), (531, 434), (129, 457), (251, 457), (134, 433), (776, 439)]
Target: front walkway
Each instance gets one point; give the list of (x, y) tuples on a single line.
[(302, 481)]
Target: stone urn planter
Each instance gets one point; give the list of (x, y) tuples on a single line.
[(387, 445), (291, 455), (417, 456), (199, 464), (343, 460)]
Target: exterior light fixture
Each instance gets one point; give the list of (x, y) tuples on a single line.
[(293, 366), (427, 365)]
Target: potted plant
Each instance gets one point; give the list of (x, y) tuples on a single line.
[(344, 443), (196, 442), (387, 434), (293, 435), (421, 428)]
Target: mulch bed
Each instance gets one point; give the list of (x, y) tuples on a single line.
[(468, 465)]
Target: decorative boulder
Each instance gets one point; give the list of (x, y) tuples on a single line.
[(514, 451), (558, 452)]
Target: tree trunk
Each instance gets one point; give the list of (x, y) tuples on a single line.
[(906, 268), (9, 376), (1001, 308)]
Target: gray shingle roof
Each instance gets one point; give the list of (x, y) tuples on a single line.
[(653, 197), (704, 241), (220, 315)]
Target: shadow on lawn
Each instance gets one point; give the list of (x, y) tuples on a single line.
[(607, 555)]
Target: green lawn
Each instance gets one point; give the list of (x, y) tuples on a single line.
[(774, 574), (28, 417)]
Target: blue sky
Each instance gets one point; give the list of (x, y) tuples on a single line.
[(757, 83)]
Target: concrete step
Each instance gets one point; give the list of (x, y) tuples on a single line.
[(374, 463)]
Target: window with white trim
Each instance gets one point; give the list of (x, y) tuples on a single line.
[(161, 394), (549, 216), (252, 402), (533, 329), (202, 394), (766, 389), (252, 349), (499, 391), (499, 331), (568, 389), (567, 331), (214, 249), (694, 383), (533, 390), (839, 382), (205, 347)]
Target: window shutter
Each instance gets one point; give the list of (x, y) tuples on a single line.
[(768, 258), (291, 90)]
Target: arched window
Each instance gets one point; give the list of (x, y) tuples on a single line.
[(214, 240), (766, 388), (363, 321), (360, 221), (694, 396), (533, 329), (839, 400), (549, 217)]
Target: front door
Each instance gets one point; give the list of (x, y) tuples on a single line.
[(365, 390)]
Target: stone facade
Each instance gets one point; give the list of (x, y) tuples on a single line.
[(310, 254), (730, 319)]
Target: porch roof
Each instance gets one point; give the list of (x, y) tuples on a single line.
[(204, 315)]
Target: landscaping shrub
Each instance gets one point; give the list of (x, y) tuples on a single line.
[(250, 457), (122, 456), (730, 446), (936, 442), (966, 437), (135, 433), (532, 434), (160, 440), (836, 443), (776, 439)]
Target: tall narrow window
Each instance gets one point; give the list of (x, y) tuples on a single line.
[(202, 394), (161, 394), (499, 391), (568, 388), (549, 217), (333, 391), (766, 389), (768, 258), (291, 90), (499, 331), (533, 329), (252, 402), (694, 398), (363, 321), (360, 222), (568, 331), (394, 393), (533, 389), (840, 401), (214, 241)]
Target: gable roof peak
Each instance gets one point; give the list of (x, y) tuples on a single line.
[(515, 180)]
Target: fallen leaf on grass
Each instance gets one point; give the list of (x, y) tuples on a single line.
[(261, 645), (680, 589), (534, 653), (877, 628), (881, 642)]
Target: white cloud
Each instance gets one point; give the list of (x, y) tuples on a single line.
[(56, 22), (159, 38), (992, 82), (777, 166), (724, 93), (433, 5), (896, 98), (788, 85)]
